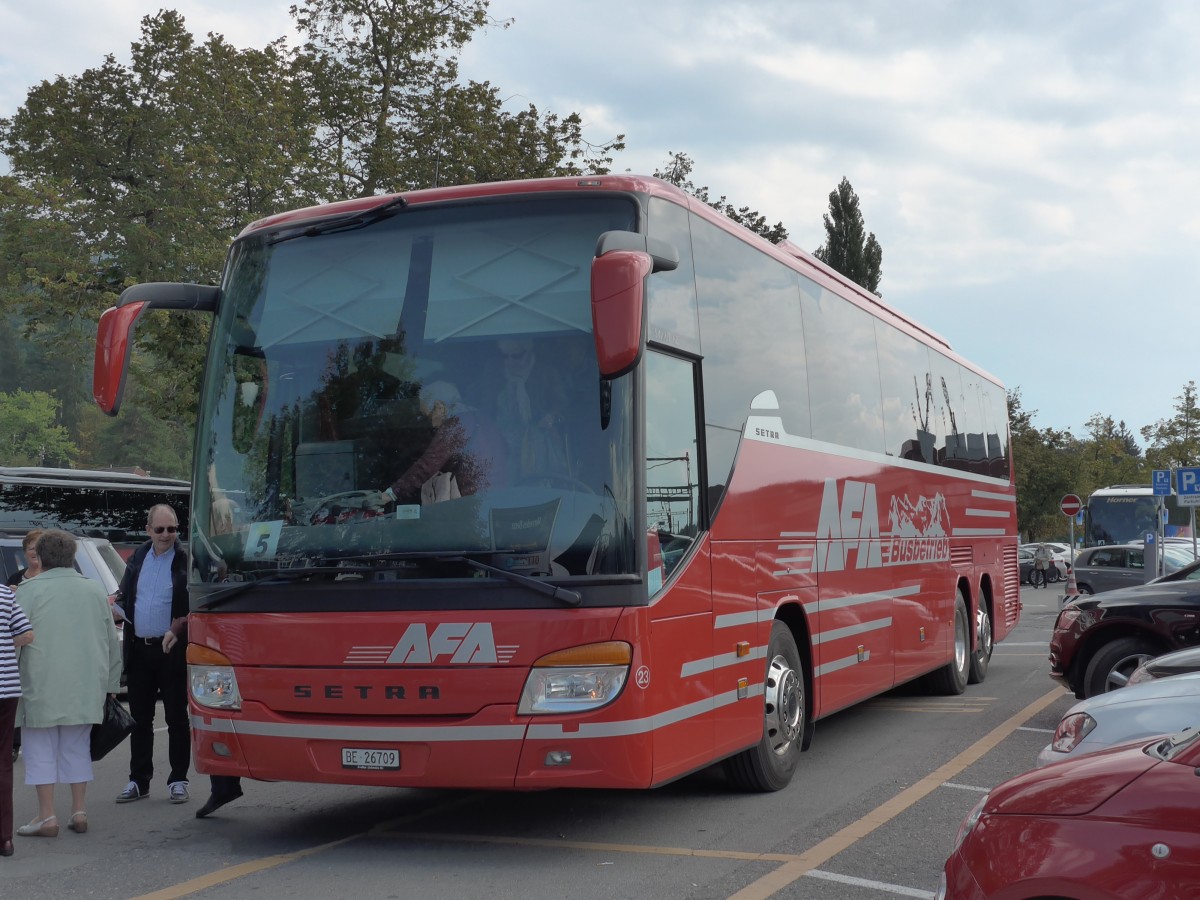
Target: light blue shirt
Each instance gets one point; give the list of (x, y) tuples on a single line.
[(152, 605)]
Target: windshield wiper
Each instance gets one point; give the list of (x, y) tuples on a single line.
[(563, 595), (347, 222), (277, 576)]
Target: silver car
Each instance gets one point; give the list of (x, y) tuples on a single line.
[(1159, 707), (1113, 566)]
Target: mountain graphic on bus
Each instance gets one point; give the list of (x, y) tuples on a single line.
[(928, 517)]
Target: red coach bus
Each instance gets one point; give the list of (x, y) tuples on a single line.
[(569, 482)]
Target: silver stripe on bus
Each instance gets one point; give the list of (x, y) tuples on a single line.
[(640, 726), (990, 513), (419, 733), (859, 599), (978, 532), (732, 620), (834, 665), (850, 630), (724, 660), (447, 734), (988, 495)]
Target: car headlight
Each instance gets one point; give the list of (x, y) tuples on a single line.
[(1071, 731), (211, 679), (969, 823), (577, 680)]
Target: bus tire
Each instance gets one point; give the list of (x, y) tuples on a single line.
[(951, 679), (983, 645), (770, 764)]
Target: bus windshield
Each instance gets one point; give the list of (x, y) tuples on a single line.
[(418, 395), (1122, 515)]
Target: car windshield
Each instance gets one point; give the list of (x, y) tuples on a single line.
[(420, 395)]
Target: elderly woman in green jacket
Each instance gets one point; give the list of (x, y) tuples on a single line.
[(65, 675)]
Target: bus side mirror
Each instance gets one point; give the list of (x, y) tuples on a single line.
[(619, 310), (114, 340), (114, 337)]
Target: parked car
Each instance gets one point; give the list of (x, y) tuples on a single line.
[(1059, 551), (1159, 706), (1098, 641), (1057, 571), (1180, 662), (1114, 566), (1118, 823), (94, 557)]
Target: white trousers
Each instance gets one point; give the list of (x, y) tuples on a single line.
[(58, 755)]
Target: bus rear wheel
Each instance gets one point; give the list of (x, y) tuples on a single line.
[(983, 645), (770, 764)]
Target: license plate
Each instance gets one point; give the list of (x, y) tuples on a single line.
[(365, 758)]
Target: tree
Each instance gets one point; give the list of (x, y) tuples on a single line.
[(848, 248), (1047, 465), (1111, 455), (678, 171), (29, 432), (1175, 442), (382, 78)]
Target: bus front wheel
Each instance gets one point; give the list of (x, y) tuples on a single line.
[(770, 764), (952, 678)]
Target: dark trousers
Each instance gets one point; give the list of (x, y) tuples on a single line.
[(151, 675), (8, 715)]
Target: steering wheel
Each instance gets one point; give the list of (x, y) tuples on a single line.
[(353, 507), (548, 479)]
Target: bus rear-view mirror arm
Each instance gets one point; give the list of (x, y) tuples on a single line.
[(114, 336), (619, 271)]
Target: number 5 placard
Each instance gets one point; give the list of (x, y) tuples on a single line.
[(262, 538)]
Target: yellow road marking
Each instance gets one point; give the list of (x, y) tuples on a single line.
[(795, 866), (212, 879), (881, 815)]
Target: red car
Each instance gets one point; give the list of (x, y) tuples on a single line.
[(1116, 824)]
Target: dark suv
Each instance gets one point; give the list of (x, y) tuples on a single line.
[(1098, 641)]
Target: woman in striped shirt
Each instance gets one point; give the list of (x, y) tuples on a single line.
[(15, 631)]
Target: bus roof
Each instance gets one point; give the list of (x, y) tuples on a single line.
[(104, 478)]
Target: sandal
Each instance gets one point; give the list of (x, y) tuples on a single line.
[(47, 827), (78, 823)]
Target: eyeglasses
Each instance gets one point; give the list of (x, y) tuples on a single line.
[(169, 529)]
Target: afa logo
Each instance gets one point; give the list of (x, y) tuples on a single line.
[(849, 536)]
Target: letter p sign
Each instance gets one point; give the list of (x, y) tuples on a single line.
[(1187, 482)]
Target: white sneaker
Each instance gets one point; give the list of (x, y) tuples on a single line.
[(178, 791)]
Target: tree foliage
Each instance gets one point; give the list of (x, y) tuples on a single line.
[(1176, 441), (678, 172), (848, 248), (30, 434), (145, 171)]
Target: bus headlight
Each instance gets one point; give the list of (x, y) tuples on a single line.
[(211, 679), (577, 680)]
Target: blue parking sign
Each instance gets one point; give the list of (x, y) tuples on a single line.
[(1162, 482)]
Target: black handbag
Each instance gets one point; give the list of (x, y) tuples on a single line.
[(117, 725)]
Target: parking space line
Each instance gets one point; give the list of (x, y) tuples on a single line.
[(875, 885), (884, 813), (965, 787)]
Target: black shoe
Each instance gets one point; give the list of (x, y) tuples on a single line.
[(213, 803)]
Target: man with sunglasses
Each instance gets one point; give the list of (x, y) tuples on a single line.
[(152, 598)]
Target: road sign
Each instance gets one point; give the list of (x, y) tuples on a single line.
[(1070, 504), (1187, 483), (1162, 482)]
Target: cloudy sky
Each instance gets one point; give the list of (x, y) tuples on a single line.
[(1029, 168)]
